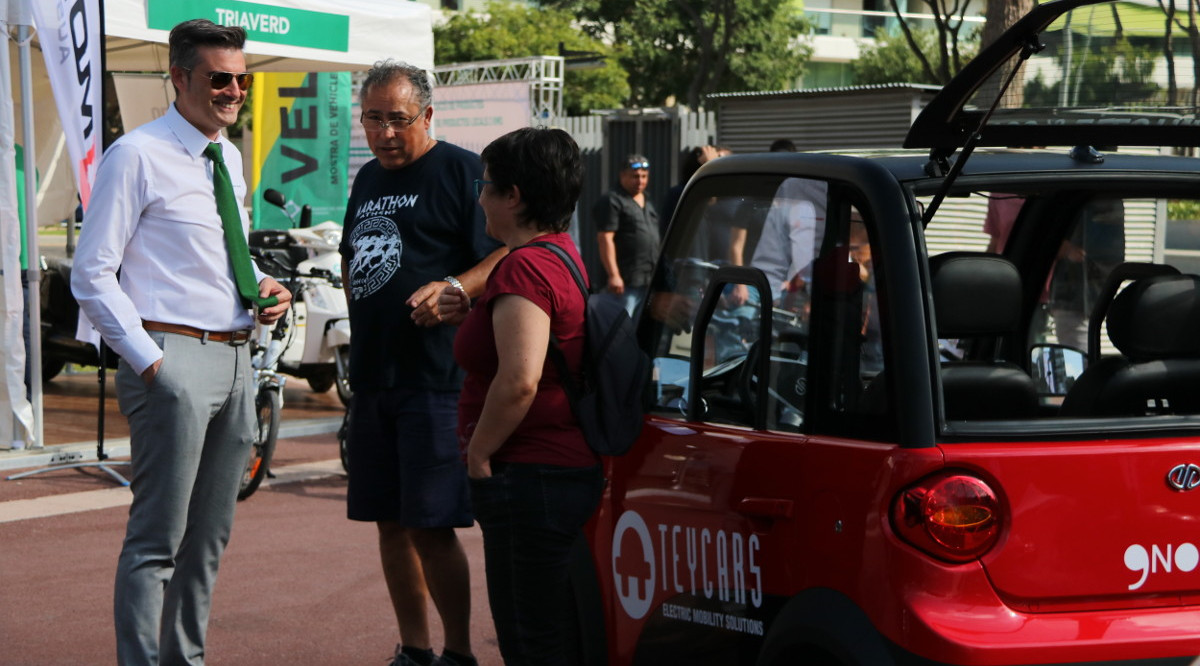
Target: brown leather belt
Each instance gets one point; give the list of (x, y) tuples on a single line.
[(231, 337)]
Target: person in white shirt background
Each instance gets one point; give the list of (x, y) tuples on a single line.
[(179, 324)]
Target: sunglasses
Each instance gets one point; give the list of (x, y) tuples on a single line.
[(639, 165), (220, 80)]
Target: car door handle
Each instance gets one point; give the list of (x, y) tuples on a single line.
[(765, 507)]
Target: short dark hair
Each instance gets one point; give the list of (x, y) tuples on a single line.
[(691, 164), (189, 36), (387, 71), (783, 146), (544, 164)]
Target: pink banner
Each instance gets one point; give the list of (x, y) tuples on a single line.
[(471, 116)]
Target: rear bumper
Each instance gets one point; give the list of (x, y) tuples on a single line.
[(931, 631), (997, 635), (902, 658)]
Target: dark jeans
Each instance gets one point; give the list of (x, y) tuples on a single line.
[(531, 515)]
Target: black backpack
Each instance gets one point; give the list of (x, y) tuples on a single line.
[(610, 405)]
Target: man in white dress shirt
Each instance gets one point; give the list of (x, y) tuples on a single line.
[(179, 324), (791, 236)]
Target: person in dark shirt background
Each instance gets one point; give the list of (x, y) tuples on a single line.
[(628, 233)]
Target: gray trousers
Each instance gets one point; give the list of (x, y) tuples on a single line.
[(190, 438)]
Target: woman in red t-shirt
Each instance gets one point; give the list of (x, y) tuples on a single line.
[(534, 481)]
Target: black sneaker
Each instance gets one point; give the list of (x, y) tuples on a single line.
[(401, 659), (447, 660)]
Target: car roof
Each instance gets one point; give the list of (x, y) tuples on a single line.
[(1089, 73), (912, 166), (1036, 165)]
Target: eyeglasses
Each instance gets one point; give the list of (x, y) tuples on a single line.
[(639, 165), (220, 80), (479, 183), (381, 125)]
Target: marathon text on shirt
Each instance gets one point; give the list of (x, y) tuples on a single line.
[(384, 205)]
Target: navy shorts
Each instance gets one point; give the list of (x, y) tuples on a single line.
[(405, 465)]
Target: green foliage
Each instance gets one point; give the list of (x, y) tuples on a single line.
[(515, 31), (891, 60), (1183, 209), (688, 49), (1107, 72)]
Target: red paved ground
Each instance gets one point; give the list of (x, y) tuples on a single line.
[(300, 584)]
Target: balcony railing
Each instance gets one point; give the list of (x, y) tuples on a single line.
[(863, 23)]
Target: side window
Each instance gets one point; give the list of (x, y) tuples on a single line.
[(1095, 245), (848, 392), (757, 271), (1076, 251)]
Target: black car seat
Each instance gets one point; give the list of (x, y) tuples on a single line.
[(1120, 274), (977, 295), (1155, 325)]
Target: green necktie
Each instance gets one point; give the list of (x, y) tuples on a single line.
[(231, 219)]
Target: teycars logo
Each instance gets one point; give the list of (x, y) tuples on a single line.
[(707, 563), (633, 565)]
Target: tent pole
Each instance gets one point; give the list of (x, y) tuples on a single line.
[(31, 244), (35, 281)]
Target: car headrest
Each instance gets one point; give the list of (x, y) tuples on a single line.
[(975, 294), (1157, 318)]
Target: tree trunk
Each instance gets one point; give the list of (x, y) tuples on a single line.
[(999, 17), (1169, 52)]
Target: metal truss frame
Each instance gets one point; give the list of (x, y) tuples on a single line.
[(544, 74)]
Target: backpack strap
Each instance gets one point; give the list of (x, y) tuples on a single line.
[(553, 350), (566, 259)]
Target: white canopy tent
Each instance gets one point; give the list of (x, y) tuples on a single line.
[(283, 36), (374, 30)]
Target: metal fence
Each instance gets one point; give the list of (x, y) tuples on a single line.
[(663, 136)]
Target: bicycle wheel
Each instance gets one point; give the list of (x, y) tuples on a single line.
[(345, 393), (343, 437), (268, 404)]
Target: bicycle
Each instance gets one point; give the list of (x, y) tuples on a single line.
[(266, 349)]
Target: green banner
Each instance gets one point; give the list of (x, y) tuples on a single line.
[(263, 23), (21, 203), (302, 146)]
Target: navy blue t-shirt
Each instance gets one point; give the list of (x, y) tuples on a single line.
[(403, 229)]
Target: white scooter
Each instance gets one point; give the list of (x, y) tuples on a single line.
[(313, 341)]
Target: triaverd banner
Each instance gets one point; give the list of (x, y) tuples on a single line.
[(301, 146), (69, 31)]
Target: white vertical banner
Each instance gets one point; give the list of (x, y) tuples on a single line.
[(72, 45), (12, 386)]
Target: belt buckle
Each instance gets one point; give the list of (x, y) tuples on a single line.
[(238, 338)]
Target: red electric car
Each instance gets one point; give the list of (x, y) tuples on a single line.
[(940, 407)]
